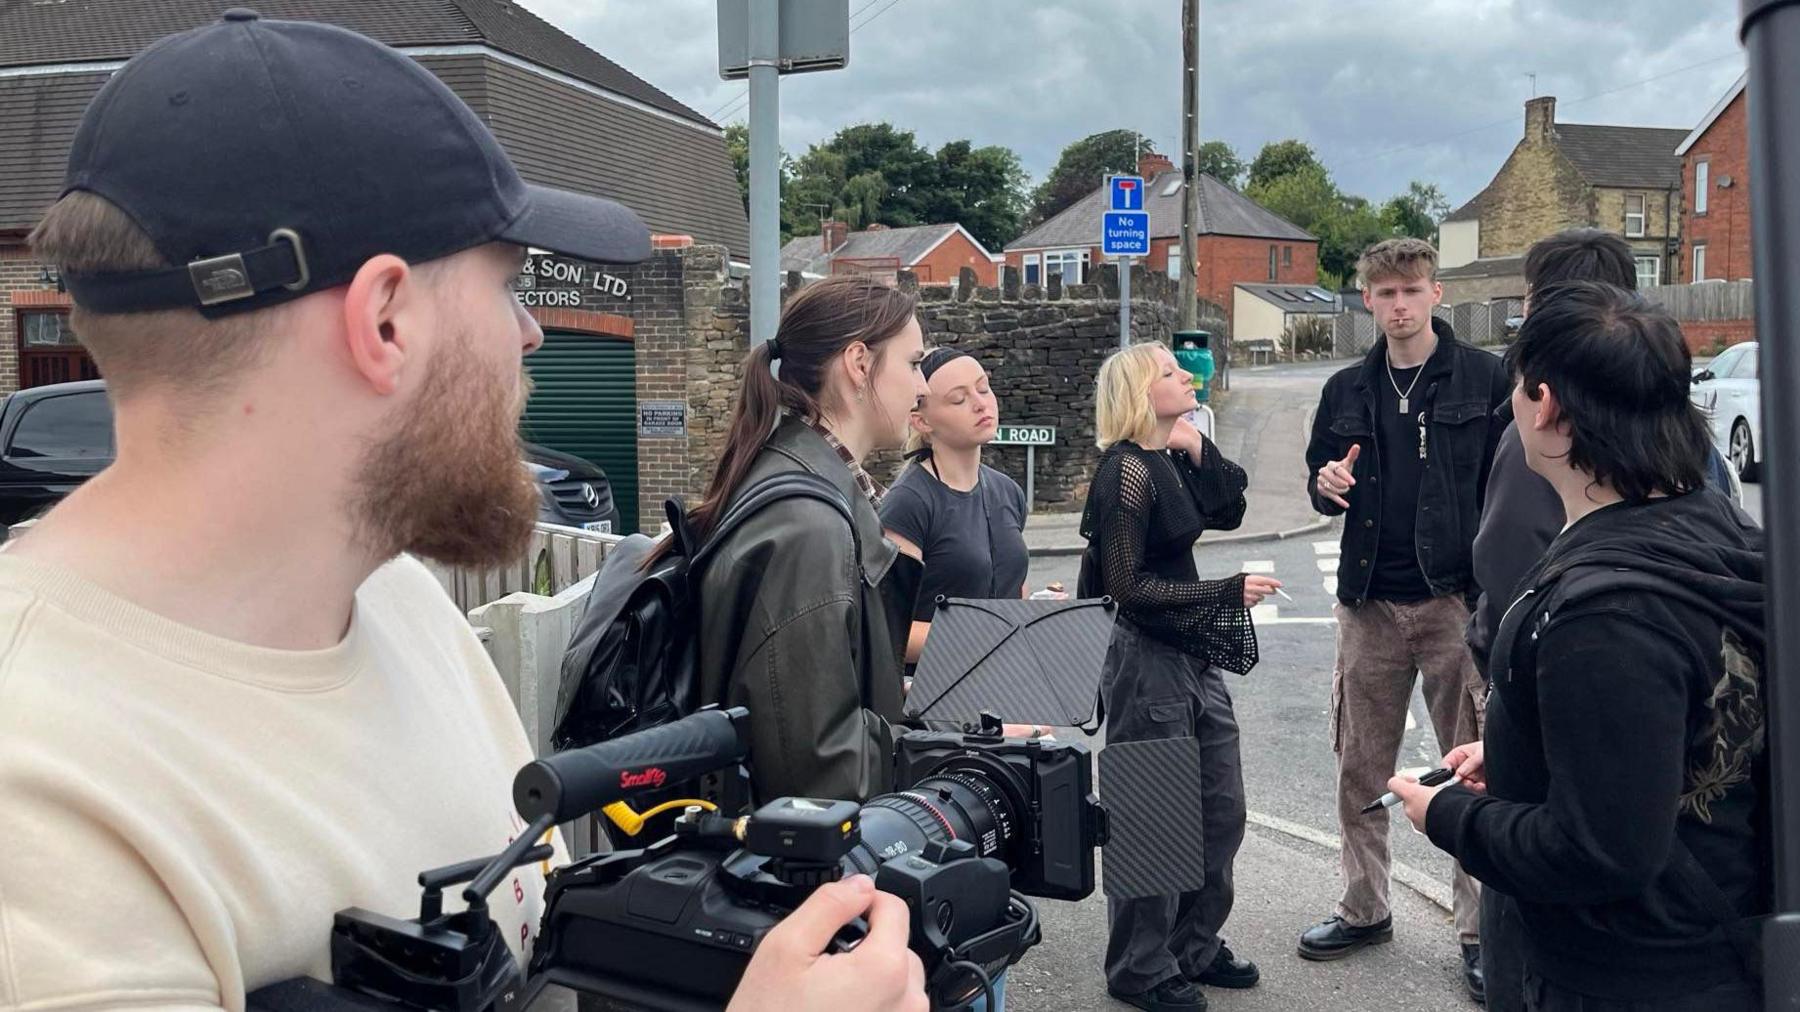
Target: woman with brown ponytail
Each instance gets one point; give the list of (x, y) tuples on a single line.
[(804, 618)]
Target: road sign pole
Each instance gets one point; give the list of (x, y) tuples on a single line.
[(1030, 478), (1124, 302), (765, 170)]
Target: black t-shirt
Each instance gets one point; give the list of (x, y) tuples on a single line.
[(973, 542), (1398, 576)]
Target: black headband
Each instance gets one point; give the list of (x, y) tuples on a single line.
[(937, 358)]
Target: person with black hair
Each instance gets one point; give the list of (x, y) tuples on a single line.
[(1619, 793), (1523, 512)]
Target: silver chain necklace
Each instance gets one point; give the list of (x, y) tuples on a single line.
[(1404, 395)]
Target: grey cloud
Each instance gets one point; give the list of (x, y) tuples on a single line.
[(1386, 91)]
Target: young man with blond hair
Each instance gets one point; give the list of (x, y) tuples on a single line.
[(1401, 447)]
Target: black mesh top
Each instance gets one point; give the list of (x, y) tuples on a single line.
[(1144, 512)]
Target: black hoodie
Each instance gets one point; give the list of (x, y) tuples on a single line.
[(1625, 722)]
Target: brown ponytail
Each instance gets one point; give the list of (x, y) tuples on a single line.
[(817, 324)]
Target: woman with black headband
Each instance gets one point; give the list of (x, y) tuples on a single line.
[(963, 519)]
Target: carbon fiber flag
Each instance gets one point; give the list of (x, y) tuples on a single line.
[(1025, 661)]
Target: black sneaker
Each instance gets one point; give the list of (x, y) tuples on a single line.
[(1177, 994), (1229, 971), (1473, 979), (1335, 938)]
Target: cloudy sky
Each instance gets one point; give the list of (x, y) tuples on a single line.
[(1385, 90)]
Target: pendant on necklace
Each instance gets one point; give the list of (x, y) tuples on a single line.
[(1404, 405)]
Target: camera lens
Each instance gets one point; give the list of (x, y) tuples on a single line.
[(970, 797)]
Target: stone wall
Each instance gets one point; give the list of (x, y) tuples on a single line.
[(1042, 346)]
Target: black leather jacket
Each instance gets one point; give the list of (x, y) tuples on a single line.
[(1463, 386), (806, 625)]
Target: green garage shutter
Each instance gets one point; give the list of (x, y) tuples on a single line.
[(584, 402)]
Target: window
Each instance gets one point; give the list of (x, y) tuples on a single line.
[(1031, 268), (1175, 261), (1068, 264), (1699, 261), (69, 425), (1649, 272), (1634, 214), (1287, 256), (1726, 366), (1702, 179), (47, 330), (1274, 272)]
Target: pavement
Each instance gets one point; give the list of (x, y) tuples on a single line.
[(1263, 426)]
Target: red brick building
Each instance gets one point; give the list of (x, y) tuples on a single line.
[(1236, 240), (1715, 201), (935, 253)]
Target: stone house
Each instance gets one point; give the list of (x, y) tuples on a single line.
[(1566, 175)]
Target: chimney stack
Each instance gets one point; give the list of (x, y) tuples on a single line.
[(833, 234), (1540, 119), (1150, 163)]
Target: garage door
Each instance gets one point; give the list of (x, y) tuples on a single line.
[(584, 402)]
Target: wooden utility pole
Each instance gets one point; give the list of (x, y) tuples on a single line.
[(1190, 143)]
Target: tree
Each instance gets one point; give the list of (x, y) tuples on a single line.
[(1345, 225), (1082, 167), (1281, 158), (874, 173), (1415, 212), (983, 189), (1218, 160)]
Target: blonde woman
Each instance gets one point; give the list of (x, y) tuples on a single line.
[(1158, 486)]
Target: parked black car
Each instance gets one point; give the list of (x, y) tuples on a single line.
[(572, 491), (53, 438)]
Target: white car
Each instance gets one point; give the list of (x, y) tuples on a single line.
[(1728, 390)]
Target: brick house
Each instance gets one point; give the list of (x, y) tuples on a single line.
[(1715, 204), (1236, 240), (568, 117), (935, 253), (1566, 175)]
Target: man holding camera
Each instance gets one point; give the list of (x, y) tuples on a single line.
[(231, 703)]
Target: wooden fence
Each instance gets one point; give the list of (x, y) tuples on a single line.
[(1707, 300), (557, 558)]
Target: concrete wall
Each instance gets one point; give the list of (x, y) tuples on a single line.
[(1253, 319)]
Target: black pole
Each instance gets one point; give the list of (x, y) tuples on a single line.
[(1771, 35)]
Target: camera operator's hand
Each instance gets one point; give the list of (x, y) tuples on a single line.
[(791, 972)]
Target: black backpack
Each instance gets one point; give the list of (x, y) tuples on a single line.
[(633, 661)]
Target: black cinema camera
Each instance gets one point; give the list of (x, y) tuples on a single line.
[(983, 823)]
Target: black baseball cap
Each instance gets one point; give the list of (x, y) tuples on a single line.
[(270, 159)]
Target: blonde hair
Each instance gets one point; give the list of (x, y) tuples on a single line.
[(1122, 396), (1405, 257)]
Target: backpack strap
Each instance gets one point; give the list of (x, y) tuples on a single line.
[(774, 488)]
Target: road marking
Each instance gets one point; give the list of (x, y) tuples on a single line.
[(1327, 548), (1331, 585), (1411, 724), (1327, 565), (1269, 614), (1425, 885), (1259, 566)]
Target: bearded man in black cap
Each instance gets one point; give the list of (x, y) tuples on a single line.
[(231, 700)]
